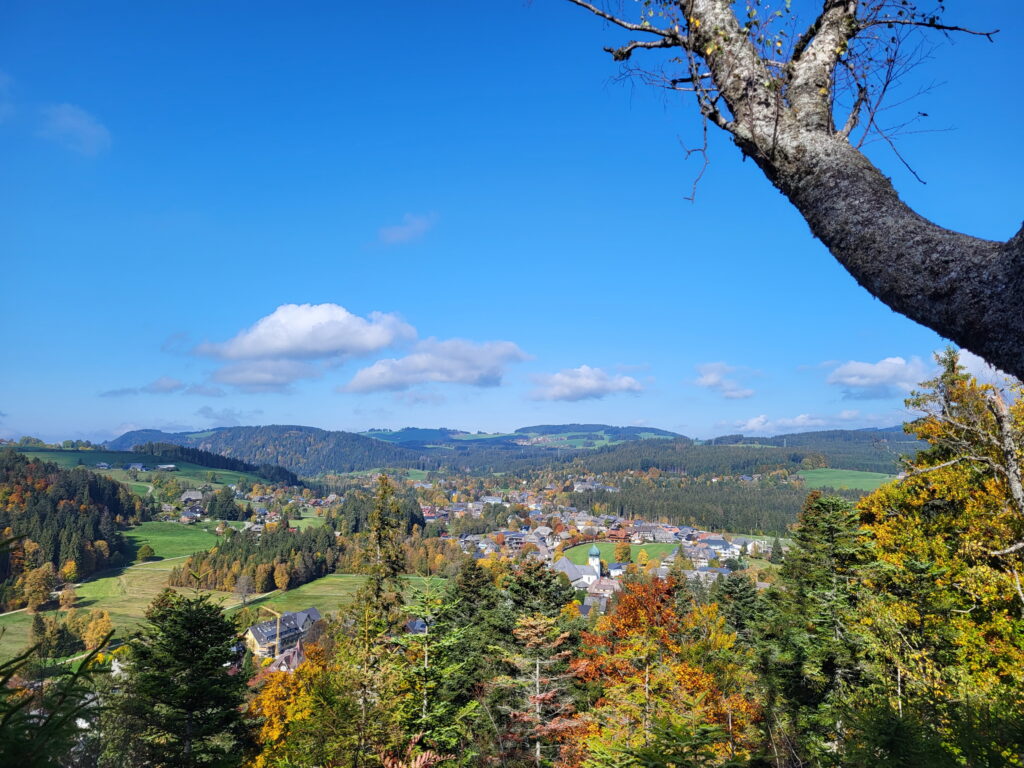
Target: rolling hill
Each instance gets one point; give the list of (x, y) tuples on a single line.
[(310, 451)]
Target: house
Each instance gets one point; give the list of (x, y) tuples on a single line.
[(167, 467), (604, 587), (580, 576), (615, 570), (137, 467), (102, 465), (262, 638), (662, 536), (191, 496), (289, 660), (191, 515)]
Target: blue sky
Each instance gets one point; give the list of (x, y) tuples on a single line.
[(351, 216)]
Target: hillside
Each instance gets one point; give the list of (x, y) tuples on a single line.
[(307, 451), (867, 450)]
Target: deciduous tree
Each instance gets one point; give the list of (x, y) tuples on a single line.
[(794, 103)]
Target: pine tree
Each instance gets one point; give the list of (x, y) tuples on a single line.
[(777, 555), (181, 702), (811, 649), (382, 590), (542, 704), (740, 605)]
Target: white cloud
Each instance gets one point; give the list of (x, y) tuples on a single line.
[(583, 383), (265, 375), (455, 361), (226, 417), (163, 386), (413, 227), (763, 424), (891, 377), (75, 129), (714, 376), (310, 331), (122, 392), (984, 372), (205, 390)]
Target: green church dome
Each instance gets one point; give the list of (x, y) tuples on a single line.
[(594, 551)]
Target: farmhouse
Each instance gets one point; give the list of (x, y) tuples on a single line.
[(262, 638)]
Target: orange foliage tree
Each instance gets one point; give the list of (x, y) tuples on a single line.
[(659, 668)]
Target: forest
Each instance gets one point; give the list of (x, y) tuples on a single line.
[(734, 506), (310, 452), (64, 525), (173, 452)]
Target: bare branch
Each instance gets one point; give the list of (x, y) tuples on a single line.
[(624, 52), (1009, 550), (925, 24), (643, 27)]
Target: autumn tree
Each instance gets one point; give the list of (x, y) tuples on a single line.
[(282, 576), (341, 707), (943, 618), (541, 707), (623, 552), (67, 597), (99, 627), (659, 669), (800, 104), (37, 586)]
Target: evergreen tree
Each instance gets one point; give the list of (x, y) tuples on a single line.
[(532, 588), (179, 699), (382, 590), (777, 555), (740, 605), (810, 648)]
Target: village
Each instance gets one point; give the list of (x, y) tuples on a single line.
[(581, 546)]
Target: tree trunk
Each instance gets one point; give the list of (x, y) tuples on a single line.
[(780, 114), (962, 287)]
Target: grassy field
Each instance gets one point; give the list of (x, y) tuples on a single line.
[(124, 594), (328, 594), (844, 478), (172, 539), (578, 554), (310, 521), (191, 473)]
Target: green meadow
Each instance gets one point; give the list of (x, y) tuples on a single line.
[(578, 555), (844, 478), (327, 594), (193, 474)]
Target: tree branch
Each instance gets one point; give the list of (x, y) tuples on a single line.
[(624, 52), (926, 24), (642, 27)]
